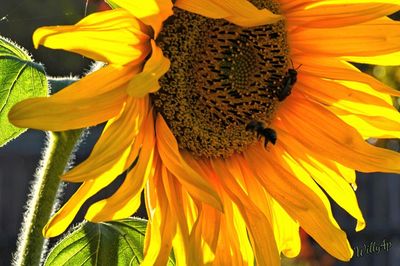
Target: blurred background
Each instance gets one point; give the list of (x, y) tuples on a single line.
[(378, 193)]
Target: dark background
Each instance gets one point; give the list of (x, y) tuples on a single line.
[(378, 194)]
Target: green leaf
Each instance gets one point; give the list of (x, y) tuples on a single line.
[(109, 243), (20, 78)]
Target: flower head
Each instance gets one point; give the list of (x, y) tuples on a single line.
[(193, 93)]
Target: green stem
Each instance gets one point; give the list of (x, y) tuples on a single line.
[(31, 243)]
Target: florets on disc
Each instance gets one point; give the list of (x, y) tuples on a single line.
[(222, 76)]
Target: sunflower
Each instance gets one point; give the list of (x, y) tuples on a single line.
[(236, 118)]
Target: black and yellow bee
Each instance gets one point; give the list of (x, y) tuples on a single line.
[(268, 133)]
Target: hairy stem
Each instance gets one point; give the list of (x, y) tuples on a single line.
[(43, 196)]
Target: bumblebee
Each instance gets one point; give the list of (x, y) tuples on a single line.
[(288, 82), (268, 133)]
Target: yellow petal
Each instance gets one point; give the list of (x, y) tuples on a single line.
[(343, 2), (391, 59), (337, 188), (346, 41), (94, 99), (286, 230), (285, 159), (341, 98), (240, 12), (151, 12), (371, 126), (325, 174), (337, 69), (330, 14), (161, 228), (126, 200), (111, 152), (50, 114), (174, 195), (191, 180), (233, 238), (63, 217), (342, 146), (113, 36), (367, 88), (188, 207), (204, 236), (260, 229), (347, 173), (98, 82), (300, 202), (206, 229), (147, 81), (254, 189)]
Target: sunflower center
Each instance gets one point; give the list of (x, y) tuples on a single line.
[(222, 77)]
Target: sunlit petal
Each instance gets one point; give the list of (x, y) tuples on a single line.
[(332, 14), (345, 41), (112, 36), (147, 81), (240, 12), (151, 12), (192, 181), (94, 99)]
